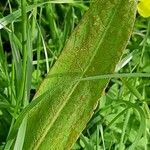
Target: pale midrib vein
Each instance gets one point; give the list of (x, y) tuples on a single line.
[(47, 128)]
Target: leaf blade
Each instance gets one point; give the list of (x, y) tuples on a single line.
[(64, 113)]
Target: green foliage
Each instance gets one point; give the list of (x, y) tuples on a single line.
[(121, 119), (92, 49)]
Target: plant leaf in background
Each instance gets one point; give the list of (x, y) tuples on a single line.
[(16, 14), (94, 48), (144, 8)]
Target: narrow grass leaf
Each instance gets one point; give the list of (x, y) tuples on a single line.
[(16, 14)]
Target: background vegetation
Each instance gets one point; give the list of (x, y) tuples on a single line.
[(122, 117)]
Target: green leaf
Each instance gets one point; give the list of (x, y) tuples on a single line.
[(16, 14), (94, 48)]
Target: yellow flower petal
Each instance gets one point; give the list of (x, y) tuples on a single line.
[(144, 8)]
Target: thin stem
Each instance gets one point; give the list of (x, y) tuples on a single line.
[(24, 50)]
